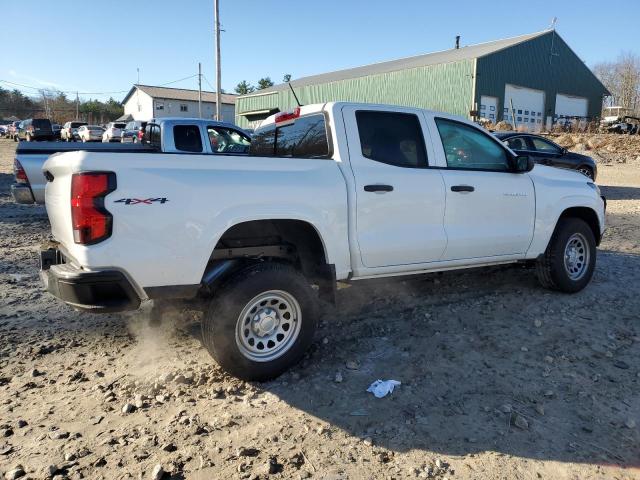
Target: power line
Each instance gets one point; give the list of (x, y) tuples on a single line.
[(51, 90)]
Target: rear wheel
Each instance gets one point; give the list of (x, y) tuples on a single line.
[(261, 322), (569, 261)]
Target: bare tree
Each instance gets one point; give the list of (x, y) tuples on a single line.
[(622, 79)]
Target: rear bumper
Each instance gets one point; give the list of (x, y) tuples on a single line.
[(99, 291), (22, 193)]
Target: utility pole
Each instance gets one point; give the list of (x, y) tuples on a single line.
[(138, 89), (199, 90), (77, 107), (218, 74)]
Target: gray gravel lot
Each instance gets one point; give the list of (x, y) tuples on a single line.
[(500, 378)]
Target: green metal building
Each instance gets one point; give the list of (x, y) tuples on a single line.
[(533, 80)]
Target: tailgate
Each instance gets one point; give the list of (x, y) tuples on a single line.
[(58, 196)]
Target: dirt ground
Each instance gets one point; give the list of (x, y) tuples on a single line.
[(501, 379)]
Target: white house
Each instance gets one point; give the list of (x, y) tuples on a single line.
[(144, 102)]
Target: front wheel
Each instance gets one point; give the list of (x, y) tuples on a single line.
[(570, 259), (261, 322), (586, 171)]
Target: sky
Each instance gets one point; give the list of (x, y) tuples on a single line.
[(97, 47)]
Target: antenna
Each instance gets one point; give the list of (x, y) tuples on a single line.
[(553, 23), (294, 94)]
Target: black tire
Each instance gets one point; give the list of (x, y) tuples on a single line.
[(551, 268), (221, 319), (586, 171)]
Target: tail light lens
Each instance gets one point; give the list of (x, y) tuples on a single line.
[(18, 171), (91, 221), (286, 117)]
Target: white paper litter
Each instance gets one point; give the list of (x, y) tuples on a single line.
[(381, 388)]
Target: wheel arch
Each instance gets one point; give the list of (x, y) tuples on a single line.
[(291, 240), (586, 214)]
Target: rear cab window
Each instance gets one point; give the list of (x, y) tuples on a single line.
[(304, 137), (41, 123)]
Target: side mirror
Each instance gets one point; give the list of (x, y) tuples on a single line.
[(523, 163), (564, 151)]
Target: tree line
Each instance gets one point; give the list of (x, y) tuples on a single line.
[(245, 87), (622, 79), (57, 107)]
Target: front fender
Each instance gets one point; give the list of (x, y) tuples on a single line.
[(549, 211)]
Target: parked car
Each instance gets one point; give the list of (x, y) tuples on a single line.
[(90, 133), (34, 129), (545, 152), (113, 131), (334, 191), (133, 131), (170, 137), (57, 130), (69, 131)]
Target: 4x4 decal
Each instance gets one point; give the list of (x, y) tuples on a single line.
[(145, 201)]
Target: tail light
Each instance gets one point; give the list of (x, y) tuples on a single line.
[(20, 174), (140, 134), (91, 221), (286, 117)]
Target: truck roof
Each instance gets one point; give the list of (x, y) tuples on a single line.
[(319, 107), (192, 121)]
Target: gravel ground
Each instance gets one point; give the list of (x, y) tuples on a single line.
[(500, 378)]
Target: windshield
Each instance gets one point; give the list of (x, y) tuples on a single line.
[(118, 125), (227, 140)]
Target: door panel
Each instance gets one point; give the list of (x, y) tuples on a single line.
[(496, 218), (399, 209), (490, 210)]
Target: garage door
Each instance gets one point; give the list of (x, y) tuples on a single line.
[(570, 106), (528, 107), (489, 108)]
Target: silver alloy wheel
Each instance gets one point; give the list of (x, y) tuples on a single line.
[(268, 326), (576, 256)]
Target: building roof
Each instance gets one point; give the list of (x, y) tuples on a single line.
[(181, 94), (445, 56)]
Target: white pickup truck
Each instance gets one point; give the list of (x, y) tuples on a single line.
[(338, 191), (169, 135)]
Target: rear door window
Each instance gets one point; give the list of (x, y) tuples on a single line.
[(187, 138), (305, 137), (392, 137)]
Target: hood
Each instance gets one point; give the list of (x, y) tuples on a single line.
[(563, 175), (585, 159)]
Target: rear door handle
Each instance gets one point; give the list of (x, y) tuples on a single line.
[(378, 188), (462, 188)]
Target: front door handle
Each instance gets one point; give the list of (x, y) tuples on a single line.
[(462, 188), (378, 188)]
